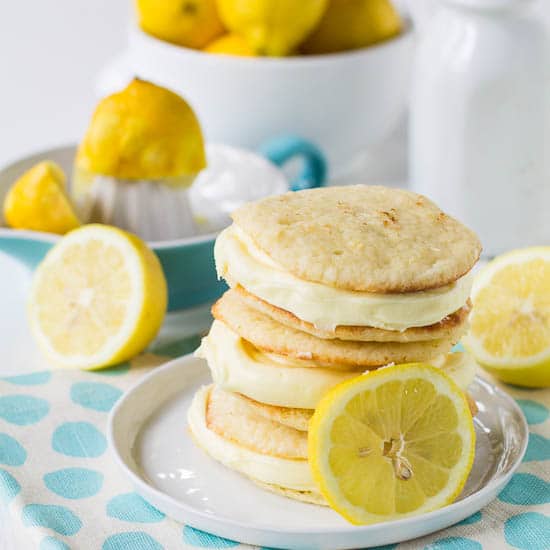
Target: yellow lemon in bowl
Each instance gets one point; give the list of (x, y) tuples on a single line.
[(98, 298), (189, 23), (395, 442), (352, 24), (510, 320), (271, 28), (38, 201), (230, 44)]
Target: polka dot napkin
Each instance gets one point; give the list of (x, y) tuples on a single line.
[(63, 490)]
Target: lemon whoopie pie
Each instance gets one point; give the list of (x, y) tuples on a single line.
[(326, 285)]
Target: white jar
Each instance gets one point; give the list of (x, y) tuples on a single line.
[(479, 127)]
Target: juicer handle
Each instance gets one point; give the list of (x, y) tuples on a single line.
[(284, 148)]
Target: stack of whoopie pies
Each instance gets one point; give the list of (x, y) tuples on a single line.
[(325, 285)]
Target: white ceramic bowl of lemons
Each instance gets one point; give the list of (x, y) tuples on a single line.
[(344, 102)]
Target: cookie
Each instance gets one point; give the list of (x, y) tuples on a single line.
[(234, 418), (362, 238), (287, 416), (270, 336), (293, 474)]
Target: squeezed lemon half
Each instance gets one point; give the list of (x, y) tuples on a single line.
[(395, 442), (98, 298), (510, 319)]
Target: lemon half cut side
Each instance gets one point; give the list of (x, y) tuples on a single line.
[(393, 443), (98, 298), (510, 320)]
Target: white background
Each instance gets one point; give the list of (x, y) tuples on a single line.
[(50, 54)]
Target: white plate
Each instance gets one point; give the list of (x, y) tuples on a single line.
[(149, 436)]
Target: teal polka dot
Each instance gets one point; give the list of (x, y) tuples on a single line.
[(74, 483), (136, 540), (58, 518), (534, 412), (458, 347), (385, 547), (11, 452), (538, 448), (117, 370), (454, 543), (474, 518), (131, 507), (34, 379), (23, 410), (9, 488), (525, 489), (530, 531), (51, 543), (95, 395), (80, 439), (205, 540)]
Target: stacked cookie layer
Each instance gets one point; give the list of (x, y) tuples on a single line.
[(325, 284)]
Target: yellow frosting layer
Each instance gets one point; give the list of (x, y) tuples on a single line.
[(240, 261), (238, 366), (290, 474)]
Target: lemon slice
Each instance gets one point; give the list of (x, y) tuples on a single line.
[(38, 201), (510, 319), (98, 298), (395, 442)]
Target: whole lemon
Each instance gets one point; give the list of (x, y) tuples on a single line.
[(230, 44), (190, 23), (272, 27), (352, 24)]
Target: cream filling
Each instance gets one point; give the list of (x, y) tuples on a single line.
[(240, 261), (239, 367), (290, 474)]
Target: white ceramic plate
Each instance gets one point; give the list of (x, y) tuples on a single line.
[(149, 436)]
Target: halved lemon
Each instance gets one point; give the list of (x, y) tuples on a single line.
[(98, 298), (395, 442), (510, 319)]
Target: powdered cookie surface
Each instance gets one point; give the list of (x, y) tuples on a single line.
[(364, 238), (452, 326), (273, 337)]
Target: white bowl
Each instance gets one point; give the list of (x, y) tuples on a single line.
[(343, 102)]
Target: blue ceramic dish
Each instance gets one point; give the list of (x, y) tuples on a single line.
[(188, 263)]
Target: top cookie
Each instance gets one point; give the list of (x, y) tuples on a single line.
[(364, 238)]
